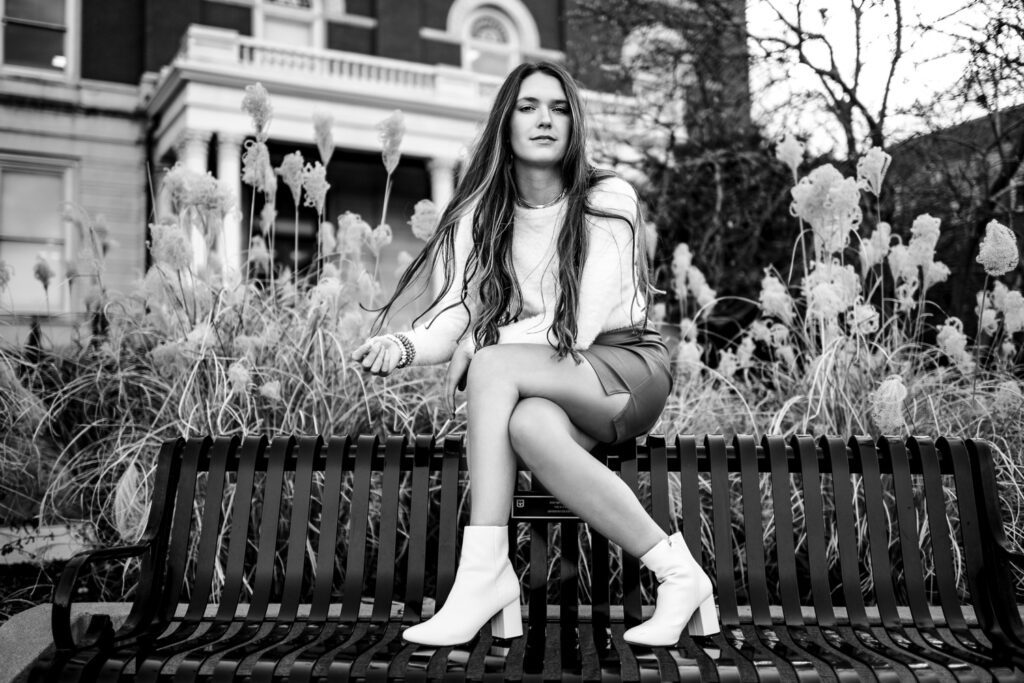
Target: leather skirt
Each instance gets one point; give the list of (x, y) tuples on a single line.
[(637, 363)]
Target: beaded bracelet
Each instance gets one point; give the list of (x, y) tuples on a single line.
[(408, 350), (403, 355)]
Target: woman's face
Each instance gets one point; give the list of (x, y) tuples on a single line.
[(541, 121)]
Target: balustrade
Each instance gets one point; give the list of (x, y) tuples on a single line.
[(216, 49)]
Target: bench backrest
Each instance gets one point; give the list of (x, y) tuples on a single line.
[(781, 523)]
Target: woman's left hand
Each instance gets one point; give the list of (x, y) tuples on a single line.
[(379, 355), (458, 369)]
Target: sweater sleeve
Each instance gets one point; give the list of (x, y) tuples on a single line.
[(438, 332), (608, 273)]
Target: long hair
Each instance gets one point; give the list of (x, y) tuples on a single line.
[(488, 184)]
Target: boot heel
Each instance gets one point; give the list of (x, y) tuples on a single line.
[(704, 621), (508, 623)]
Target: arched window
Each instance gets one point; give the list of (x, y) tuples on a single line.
[(491, 44), (495, 35)]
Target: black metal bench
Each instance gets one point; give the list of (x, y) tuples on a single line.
[(313, 587)]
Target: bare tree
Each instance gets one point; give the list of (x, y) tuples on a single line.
[(847, 65), (967, 165), (667, 53), (798, 36), (706, 174)]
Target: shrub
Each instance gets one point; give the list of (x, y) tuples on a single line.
[(197, 348)]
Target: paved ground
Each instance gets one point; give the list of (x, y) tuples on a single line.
[(27, 634)]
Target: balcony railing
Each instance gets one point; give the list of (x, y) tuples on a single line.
[(217, 49), (333, 64)]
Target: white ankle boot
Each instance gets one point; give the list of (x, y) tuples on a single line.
[(486, 588), (684, 596)]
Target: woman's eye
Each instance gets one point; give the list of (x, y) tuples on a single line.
[(526, 107), (561, 110)]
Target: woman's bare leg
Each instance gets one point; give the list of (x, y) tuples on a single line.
[(510, 386)]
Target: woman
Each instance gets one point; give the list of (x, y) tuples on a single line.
[(541, 314)]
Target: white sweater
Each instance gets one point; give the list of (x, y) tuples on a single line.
[(608, 298)]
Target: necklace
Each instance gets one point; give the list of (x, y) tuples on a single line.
[(527, 205)]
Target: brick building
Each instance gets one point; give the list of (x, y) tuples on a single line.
[(99, 97)]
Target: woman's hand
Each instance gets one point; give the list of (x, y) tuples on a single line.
[(458, 369), (379, 355)]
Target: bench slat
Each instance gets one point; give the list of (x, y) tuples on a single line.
[(600, 585), (690, 496), (905, 516), (182, 524), (244, 491), (307, 448), (721, 523), (1008, 631), (418, 515), (359, 512), (785, 553), (938, 531), (753, 534), (632, 602), (568, 605), (661, 497), (206, 554), (817, 542), (330, 527), (387, 536), (448, 517), (970, 529), (270, 518), (846, 529), (537, 597)]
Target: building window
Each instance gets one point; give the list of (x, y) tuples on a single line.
[(285, 30), (298, 23), (491, 43), (36, 34), (32, 227)]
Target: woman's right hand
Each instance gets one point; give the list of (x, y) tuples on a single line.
[(379, 355), (458, 370)]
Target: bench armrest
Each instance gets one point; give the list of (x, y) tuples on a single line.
[(63, 595), (1014, 558), (989, 492)]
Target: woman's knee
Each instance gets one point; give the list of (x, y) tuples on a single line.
[(531, 427), (489, 365)]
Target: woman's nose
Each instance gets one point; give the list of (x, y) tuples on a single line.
[(545, 116)]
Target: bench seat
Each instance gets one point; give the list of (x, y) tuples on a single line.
[(303, 559)]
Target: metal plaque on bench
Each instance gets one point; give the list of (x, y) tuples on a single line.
[(535, 506)]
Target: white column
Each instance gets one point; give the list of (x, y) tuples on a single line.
[(193, 148), (163, 197), (229, 172), (442, 180)]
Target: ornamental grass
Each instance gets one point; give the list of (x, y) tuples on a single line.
[(853, 348)]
